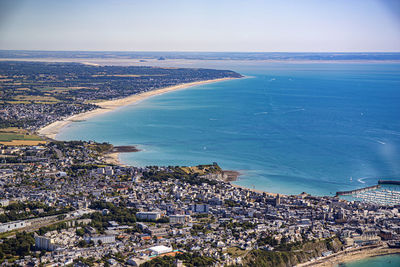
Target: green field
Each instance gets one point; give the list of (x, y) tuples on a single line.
[(15, 136), (7, 137)]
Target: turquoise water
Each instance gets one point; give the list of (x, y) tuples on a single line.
[(380, 261), (289, 128)]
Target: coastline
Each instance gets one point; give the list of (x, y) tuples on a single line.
[(51, 130), (112, 157), (351, 255), (255, 190)]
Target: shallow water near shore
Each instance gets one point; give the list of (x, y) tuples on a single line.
[(288, 127), (379, 261)]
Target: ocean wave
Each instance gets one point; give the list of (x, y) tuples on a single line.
[(295, 110), (259, 113), (361, 180)]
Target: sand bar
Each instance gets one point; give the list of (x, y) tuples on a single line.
[(51, 130)]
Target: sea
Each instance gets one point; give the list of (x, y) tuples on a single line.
[(287, 127), (379, 261)]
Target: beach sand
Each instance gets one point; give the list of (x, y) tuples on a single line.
[(51, 130), (113, 159), (351, 255)]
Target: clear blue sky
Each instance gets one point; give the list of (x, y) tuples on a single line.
[(201, 25)]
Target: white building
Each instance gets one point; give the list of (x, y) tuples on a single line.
[(179, 219), (103, 239), (148, 215), (5, 227), (44, 243), (158, 250)]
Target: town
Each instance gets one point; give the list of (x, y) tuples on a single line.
[(69, 203), (63, 204)]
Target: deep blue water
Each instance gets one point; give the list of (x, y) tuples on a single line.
[(288, 127)]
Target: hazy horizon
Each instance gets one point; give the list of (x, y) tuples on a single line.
[(180, 51), (201, 26)]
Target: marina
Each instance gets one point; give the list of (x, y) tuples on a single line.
[(385, 193)]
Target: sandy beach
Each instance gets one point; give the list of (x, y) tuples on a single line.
[(351, 255), (256, 190), (51, 130), (113, 159)]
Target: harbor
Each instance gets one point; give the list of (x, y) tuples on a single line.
[(385, 193)]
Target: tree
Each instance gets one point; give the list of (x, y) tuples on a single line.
[(80, 232)]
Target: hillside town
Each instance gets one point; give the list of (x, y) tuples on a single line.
[(63, 204)]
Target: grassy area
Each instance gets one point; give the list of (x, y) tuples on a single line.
[(235, 251), (13, 130), (58, 89), (36, 99), (7, 137), (201, 169), (15, 136)]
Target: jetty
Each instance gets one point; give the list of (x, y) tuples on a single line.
[(356, 191)]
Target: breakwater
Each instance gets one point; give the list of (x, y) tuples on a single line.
[(355, 191), (389, 182)]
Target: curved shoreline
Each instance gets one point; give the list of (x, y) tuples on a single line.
[(51, 130), (351, 255)]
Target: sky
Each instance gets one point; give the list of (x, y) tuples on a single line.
[(201, 25)]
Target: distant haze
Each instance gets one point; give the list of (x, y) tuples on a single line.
[(201, 25)]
